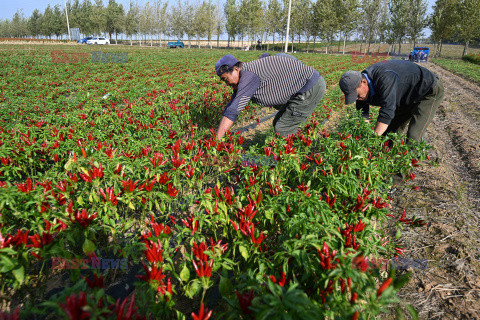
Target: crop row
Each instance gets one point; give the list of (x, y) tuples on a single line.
[(92, 186)]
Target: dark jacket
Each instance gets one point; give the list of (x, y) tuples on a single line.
[(396, 86)]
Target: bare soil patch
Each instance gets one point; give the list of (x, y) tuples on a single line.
[(449, 201)]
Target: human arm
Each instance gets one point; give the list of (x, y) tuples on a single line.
[(223, 127), (386, 95), (380, 128), (248, 84)]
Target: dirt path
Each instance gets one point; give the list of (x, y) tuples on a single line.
[(449, 201)]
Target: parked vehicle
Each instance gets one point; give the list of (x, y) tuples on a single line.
[(175, 44), (98, 41), (84, 40), (419, 54)]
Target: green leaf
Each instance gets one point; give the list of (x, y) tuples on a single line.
[(244, 252), (225, 286), (412, 312), (400, 281), (80, 201), (193, 288), (185, 273), (88, 246), (6, 264), (19, 274)]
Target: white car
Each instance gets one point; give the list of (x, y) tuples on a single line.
[(98, 41)]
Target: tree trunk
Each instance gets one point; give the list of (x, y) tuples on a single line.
[(131, 40), (465, 49), (314, 39), (399, 46), (116, 37), (368, 50), (218, 40), (151, 40), (338, 49), (344, 43), (308, 42)]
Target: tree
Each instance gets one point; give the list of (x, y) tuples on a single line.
[(33, 26), (255, 24), (131, 21), (326, 20), (98, 17), (189, 20), (219, 22), (82, 17), (231, 15), (146, 22), (398, 10), (300, 17), (19, 25), (469, 22), (417, 19), (176, 22), (161, 18), (274, 16), (114, 18), (46, 22), (200, 21), (348, 13), (370, 23), (443, 22), (211, 19), (59, 22)]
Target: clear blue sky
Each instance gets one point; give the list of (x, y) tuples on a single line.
[(9, 7)]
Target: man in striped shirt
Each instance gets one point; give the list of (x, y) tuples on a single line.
[(284, 83)]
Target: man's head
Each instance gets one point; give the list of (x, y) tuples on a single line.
[(354, 86), (228, 69)]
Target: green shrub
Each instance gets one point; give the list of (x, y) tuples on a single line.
[(473, 58)]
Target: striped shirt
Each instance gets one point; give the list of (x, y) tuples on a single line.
[(270, 81)]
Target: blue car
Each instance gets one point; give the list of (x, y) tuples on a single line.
[(419, 54), (84, 40)]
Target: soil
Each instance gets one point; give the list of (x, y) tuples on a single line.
[(448, 199)]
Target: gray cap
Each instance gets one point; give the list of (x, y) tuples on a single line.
[(349, 83)]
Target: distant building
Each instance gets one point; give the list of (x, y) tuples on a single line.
[(75, 34)]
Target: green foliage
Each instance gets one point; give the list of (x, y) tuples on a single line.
[(473, 58), (140, 176)]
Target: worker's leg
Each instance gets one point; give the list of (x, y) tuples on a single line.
[(423, 113), (298, 109)]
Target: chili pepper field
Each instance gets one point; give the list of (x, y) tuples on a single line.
[(111, 167)]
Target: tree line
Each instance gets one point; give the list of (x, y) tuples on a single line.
[(388, 21)]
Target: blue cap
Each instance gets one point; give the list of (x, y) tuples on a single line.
[(227, 60), (264, 55)]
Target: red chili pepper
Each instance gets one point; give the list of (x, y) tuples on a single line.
[(355, 315), (384, 286), (354, 298)]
